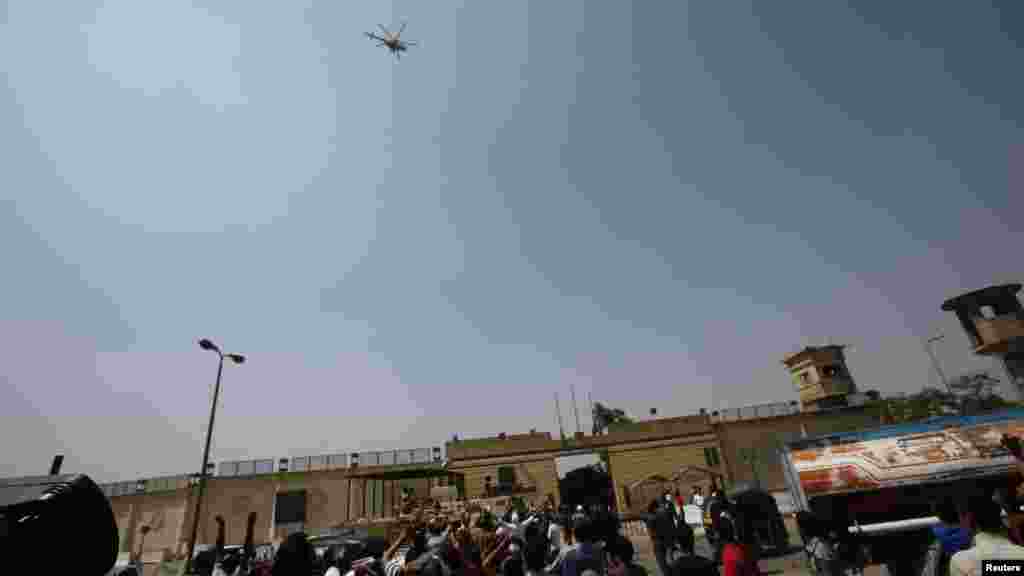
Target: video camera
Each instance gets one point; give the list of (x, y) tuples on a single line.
[(44, 514)]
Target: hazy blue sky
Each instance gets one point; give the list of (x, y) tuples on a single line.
[(654, 201)]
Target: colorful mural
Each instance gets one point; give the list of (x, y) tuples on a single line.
[(928, 454)]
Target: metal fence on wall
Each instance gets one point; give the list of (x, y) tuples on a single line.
[(149, 485), (331, 461), (264, 466), (758, 411)]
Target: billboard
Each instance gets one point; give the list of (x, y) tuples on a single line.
[(914, 456)]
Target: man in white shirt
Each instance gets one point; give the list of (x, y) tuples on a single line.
[(698, 497), (983, 516)]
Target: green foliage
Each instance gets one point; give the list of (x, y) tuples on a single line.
[(622, 426), (971, 394), (605, 417), (290, 476), (479, 442)]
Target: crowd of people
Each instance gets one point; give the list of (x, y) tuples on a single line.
[(974, 525), (537, 542)]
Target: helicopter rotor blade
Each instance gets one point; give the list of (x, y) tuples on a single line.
[(402, 29), (409, 42)]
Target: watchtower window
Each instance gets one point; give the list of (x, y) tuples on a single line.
[(832, 371)]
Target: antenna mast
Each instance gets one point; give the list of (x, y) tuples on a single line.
[(575, 408), (558, 418), (590, 400)]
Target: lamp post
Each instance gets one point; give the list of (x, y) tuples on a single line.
[(237, 359), (935, 361)]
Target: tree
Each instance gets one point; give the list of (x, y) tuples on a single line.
[(969, 393), (977, 391), (604, 417)]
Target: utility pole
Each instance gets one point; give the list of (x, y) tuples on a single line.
[(205, 344), (935, 360)]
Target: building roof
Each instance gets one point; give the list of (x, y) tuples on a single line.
[(796, 356), (989, 293)]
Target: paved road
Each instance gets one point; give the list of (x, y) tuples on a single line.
[(792, 563)]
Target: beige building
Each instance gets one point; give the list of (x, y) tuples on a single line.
[(321, 499), (740, 445)]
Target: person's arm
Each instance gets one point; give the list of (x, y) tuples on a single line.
[(390, 552), (488, 567), (568, 567)]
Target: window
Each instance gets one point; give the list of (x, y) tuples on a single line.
[(711, 456), (228, 469), (290, 508), (506, 476), (264, 467), (988, 312), (247, 468), (832, 371), (300, 464)]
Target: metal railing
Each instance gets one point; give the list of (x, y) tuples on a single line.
[(149, 485), (266, 466), (756, 411)]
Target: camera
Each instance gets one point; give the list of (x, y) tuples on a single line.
[(35, 512)]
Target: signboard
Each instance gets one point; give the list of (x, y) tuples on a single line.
[(930, 454)]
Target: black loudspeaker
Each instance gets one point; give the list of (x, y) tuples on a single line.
[(66, 514)]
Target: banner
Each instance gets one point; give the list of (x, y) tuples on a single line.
[(912, 457)]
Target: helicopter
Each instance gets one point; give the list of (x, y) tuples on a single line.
[(392, 40)]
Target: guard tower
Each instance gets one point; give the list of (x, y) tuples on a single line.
[(994, 321), (821, 377)]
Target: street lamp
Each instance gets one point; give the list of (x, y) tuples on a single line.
[(237, 359), (935, 361)]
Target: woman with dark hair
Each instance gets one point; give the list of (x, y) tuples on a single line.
[(295, 557)]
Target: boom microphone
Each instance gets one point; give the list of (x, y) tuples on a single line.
[(35, 512)]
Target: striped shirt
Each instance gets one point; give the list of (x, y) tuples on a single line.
[(394, 566)]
